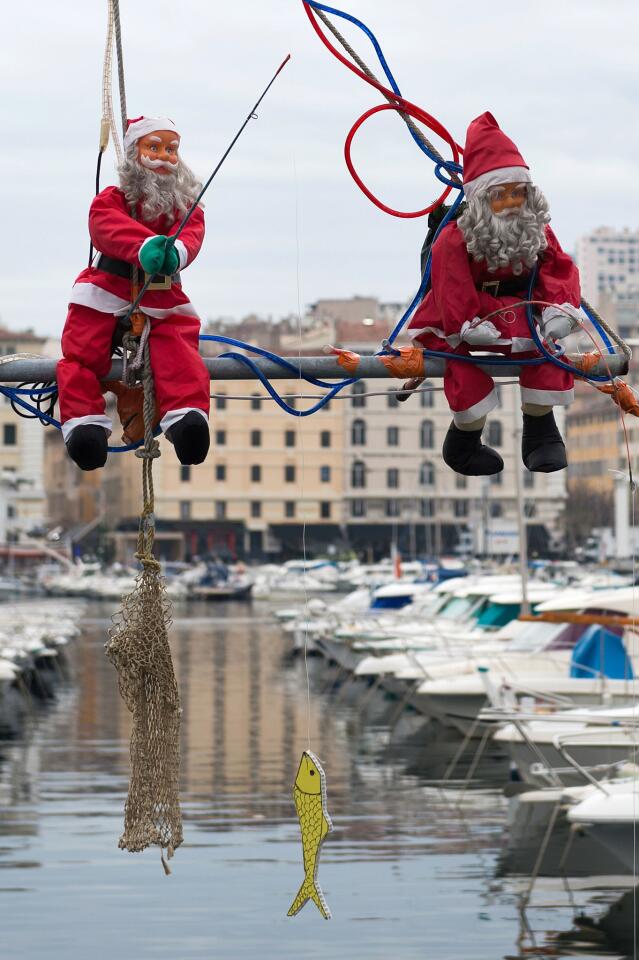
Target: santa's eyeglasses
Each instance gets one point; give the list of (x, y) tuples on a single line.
[(518, 191)]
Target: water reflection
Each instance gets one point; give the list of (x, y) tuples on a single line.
[(410, 871)]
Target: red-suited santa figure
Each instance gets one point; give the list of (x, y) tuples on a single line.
[(129, 227), (481, 264)]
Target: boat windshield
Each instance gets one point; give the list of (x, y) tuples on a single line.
[(457, 608), (497, 615)]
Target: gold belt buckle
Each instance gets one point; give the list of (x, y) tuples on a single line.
[(491, 287), (163, 284)]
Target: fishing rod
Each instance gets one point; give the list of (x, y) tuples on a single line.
[(252, 115)]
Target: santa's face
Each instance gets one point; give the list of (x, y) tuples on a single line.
[(158, 151), (507, 199)]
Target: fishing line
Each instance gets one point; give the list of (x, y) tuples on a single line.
[(300, 435)]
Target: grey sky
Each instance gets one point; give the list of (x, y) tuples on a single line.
[(560, 76)]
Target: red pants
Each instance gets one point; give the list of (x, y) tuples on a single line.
[(180, 376), (471, 392)]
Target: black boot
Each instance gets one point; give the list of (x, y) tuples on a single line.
[(542, 448), (190, 437), (464, 453), (87, 446)]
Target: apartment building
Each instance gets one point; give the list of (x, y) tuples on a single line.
[(22, 496), (361, 473)]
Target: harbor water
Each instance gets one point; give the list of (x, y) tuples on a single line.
[(414, 868)]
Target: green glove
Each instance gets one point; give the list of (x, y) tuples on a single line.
[(152, 254), (171, 261)]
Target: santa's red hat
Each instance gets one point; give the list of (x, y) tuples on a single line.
[(141, 126), (490, 157)]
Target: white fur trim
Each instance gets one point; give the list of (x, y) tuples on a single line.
[(147, 125), (494, 178), (90, 295), (478, 409), (98, 419), (548, 398), (173, 416), (182, 253)]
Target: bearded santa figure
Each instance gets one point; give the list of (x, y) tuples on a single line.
[(129, 227), (481, 267)]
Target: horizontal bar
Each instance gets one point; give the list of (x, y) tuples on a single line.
[(38, 371)]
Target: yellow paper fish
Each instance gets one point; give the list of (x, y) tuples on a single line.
[(309, 794)]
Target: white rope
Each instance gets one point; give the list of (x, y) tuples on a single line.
[(108, 124)]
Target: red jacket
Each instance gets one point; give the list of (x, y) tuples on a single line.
[(117, 234), (455, 277)]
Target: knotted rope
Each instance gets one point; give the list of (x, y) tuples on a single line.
[(138, 647)]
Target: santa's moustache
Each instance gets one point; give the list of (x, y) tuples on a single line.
[(160, 194), (512, 240)]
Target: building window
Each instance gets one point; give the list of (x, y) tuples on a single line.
[(325, 474), (529, 479), (289, 438), (427, 396), (495, 508), (494, 433), (359, 394), (256, 438), (358, 508), (461, 482), (392, 508), (289, 473), (220, 437), (392, 398), (256, 401), (392, 478), (325, 510), (11, 510), (289, 509), (256, 508), (220, 510), (220, 401), (358, 433), (326, 406), (9, 434), (325, 438), (292, 402), (392, 436), (427, 508), (185, 509), (427, 435), (256, 473), (460, 508), (358, 474), (220, 471), (530, 509), (185, 474), (426, 474), (496, 479)]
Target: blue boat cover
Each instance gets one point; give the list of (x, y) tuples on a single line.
[(600, 652)]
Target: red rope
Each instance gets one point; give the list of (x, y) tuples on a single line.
[(399, 104), (360, 183)]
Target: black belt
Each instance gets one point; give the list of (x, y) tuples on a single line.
[(120, 268), (510, 287)]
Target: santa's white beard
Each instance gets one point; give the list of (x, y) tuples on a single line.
[(513, 241), (160, 194)]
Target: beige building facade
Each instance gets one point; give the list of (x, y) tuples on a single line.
[(361, 473)]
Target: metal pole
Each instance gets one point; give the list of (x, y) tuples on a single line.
[(521, 519), (38, 370)]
